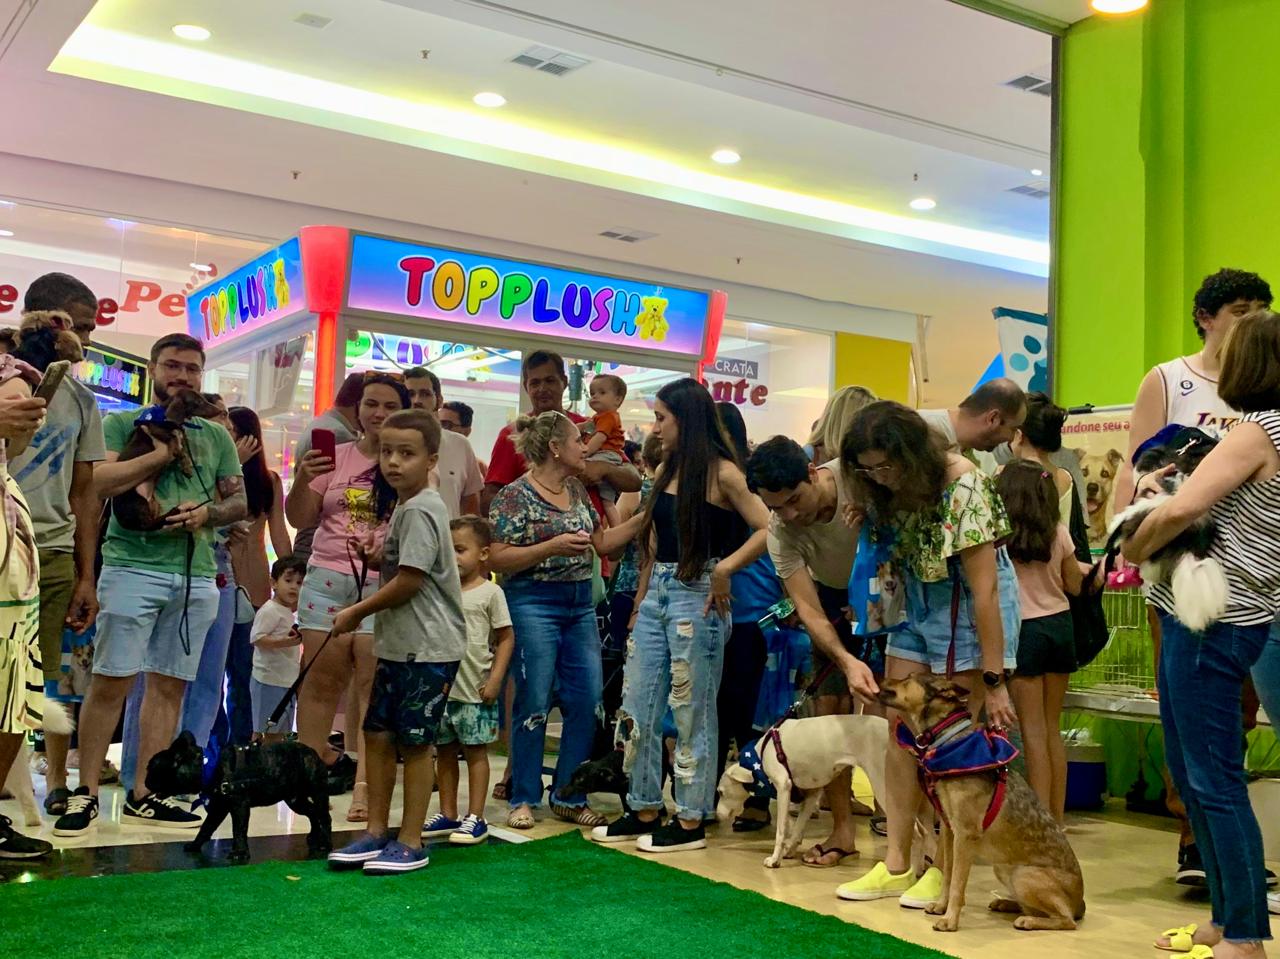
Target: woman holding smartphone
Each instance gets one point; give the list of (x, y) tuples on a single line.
[(336, 494)]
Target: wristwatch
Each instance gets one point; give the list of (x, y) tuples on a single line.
[(992, 680)]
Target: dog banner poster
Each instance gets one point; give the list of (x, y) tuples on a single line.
[(1100, 440)]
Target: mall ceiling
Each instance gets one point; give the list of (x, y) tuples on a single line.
[(842, 114)]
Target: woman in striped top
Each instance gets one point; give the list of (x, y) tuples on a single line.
[(1201, 674)]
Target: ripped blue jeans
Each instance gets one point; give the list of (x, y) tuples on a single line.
[(674, 658), (556, 660)]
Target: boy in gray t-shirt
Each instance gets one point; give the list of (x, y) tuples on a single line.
[(419, 636)]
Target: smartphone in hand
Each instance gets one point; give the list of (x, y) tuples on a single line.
[(325, 443), (52, 379)]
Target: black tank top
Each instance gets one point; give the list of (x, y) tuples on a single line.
[(728, 530)]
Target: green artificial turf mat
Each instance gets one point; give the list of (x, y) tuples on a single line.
[(562, 897)]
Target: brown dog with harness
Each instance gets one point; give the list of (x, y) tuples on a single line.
[(986, 809)]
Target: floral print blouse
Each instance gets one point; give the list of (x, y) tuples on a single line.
[(970, 513)]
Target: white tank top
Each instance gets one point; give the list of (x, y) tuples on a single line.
[(1191, 399)]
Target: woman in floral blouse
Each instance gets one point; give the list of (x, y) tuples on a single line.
[(947, 523)]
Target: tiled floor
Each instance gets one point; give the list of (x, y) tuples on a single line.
[(1127, 862)]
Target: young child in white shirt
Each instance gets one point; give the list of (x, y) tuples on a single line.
[(471, 715), (277, 649)]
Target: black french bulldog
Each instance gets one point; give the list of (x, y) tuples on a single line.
[(244, 777), (605, 775)]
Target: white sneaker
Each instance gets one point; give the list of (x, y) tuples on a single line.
[(1273, 903)]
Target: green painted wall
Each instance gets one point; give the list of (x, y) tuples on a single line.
[(1169, 170)]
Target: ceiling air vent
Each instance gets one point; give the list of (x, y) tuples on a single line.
[(313, 20), (1036, 191), (547, 60), (626, 235), (1031, 83)]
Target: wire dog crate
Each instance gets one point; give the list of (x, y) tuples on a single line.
[(1125, 667)]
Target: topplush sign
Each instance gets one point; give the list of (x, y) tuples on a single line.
[(248, 298), (408, 279), (121, 381)]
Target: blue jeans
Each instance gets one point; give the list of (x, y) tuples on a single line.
[(557, 647), (239, 698), (1200, 690), (1266, 677), (675, 659)]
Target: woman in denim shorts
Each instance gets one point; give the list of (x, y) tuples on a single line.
[(349, 504), (947, 523), (695, 536)]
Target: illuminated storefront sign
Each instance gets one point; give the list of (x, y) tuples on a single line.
[(409, 279), (247, 299), (116, 378)]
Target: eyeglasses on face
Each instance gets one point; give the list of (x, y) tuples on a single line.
[(174, 367)]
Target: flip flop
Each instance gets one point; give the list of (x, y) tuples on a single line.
[(823, 852), (1180, 938)]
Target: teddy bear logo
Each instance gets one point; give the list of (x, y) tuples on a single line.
[(652, 321)]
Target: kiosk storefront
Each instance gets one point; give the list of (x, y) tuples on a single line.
[(282, 330)]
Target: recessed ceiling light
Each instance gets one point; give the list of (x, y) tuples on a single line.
[(189, 31), (923, 203), (490, 100), (726, 156), (201, 267), (6, 233), (1118, 6), (1037, 172)]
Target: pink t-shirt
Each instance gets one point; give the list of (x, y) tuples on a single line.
[(1040, 584), (347, 510)]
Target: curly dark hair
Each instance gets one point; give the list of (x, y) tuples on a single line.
[(919, 453), (1224, 287), (778, 463)]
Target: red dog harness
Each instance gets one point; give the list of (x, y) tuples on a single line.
[(958, 755)]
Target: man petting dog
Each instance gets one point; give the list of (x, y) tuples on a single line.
[(813, 549), (157, 590)]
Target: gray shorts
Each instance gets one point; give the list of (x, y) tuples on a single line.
[(265, 699)]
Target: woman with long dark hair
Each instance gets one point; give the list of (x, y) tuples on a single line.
[(946, 522), (248, 547), (695, 534), (347, 501)]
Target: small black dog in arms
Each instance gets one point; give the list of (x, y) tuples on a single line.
[(244, 777), (1198, 583), (137, 509)]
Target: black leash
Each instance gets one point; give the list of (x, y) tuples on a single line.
[(362, 578)]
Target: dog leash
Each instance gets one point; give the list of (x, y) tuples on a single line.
[(362, 578)]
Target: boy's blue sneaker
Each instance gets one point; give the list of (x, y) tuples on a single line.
[(362, 850), (473, 830), (396, 858), (439, 825)]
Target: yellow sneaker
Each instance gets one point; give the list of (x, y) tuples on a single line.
[(928, 889), (879, 883)]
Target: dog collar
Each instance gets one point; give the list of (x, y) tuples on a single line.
[(983, 751), (157, 416)]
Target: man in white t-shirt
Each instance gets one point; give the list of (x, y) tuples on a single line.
[(1185, 390), (460, 479), (812, 549), (986, 419)]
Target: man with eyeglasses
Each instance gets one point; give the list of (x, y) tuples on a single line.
[(812, 549), (55, 473), (157, 590)]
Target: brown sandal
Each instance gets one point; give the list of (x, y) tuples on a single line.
[(823, 852)]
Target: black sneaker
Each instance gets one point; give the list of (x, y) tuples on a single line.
[(1271, 878), (14, 845), (55, 804), (160, 812), (1190, 867), (630, 826), (82, 812), (673, 837)]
